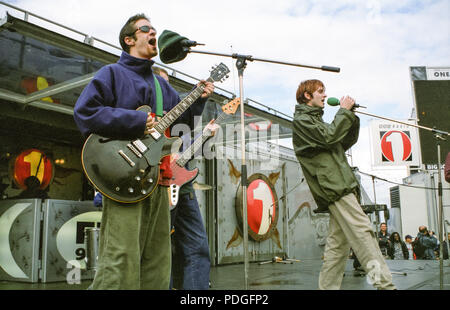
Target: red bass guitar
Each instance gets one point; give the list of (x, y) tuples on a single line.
[(180, 175)]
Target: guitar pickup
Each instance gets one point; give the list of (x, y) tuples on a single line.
[(127, 159), (155, 134), (139, 145), (134, 150)]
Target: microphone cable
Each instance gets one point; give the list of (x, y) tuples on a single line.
[(396, 183)]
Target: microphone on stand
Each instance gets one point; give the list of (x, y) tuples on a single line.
[(335, 101), (189, 43), (173, 47)]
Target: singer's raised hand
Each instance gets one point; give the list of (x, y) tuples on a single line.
[(347, 102), (209, 88)]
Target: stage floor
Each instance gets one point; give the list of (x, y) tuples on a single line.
[(303, 275)]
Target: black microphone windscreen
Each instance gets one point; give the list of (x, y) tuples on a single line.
[(170, 47)]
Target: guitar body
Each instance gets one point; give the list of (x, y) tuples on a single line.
[(119, 170), (180, 177), (127, 171)]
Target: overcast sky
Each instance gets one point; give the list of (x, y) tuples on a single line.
[(374, 42)]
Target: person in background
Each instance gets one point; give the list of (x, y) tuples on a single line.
[(397, 248), (161, 72), (358, 270), (436, 250), (427, 242), (190, 247), (383, 239), (409, 246), (446, 243)]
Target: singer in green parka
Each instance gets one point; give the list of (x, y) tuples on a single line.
[(320, 149)]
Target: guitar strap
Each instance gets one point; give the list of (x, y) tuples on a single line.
[(159, 98), (166, 171)]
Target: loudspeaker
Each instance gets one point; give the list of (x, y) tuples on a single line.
[(432, 99)]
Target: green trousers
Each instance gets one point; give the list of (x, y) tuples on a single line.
[(134, 246)]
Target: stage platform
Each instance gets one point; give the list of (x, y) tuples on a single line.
[(303, 275)]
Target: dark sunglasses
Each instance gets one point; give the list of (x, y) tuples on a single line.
[(144, 28)]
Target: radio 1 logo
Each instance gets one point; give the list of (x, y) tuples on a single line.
[(396, 146)]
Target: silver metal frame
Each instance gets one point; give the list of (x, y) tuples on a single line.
[(86, 48)]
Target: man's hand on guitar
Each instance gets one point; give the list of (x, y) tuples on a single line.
[(151, 122), (209, 88)]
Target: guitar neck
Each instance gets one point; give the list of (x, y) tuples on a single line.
[(180, 108), (190, 151)]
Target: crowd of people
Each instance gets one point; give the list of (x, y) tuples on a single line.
[(424, 246)]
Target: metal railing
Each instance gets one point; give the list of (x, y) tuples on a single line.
[(90, 41)]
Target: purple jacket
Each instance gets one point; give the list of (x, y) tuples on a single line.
[(107, 106)]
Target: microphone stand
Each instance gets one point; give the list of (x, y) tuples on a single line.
[(434, 130), (241, 63), (439, 136), (251, 58)]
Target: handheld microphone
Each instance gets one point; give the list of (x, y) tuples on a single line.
[(335, 101)]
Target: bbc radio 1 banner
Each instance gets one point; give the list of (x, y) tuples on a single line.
[(394, 144)]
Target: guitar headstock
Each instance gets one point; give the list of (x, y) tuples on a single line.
[(231, 107), (219, 73)]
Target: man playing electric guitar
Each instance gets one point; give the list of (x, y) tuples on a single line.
[(134, 249)]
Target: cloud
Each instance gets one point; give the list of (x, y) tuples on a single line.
[(371, 41), (374, 43)]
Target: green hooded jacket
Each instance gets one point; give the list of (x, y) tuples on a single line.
[(320, 149)]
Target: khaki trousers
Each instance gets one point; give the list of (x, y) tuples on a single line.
[(134, 246), (350, 228)]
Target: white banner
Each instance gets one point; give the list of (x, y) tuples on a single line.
[(438, 73), (394, 144)]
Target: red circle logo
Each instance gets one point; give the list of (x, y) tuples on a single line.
[(33, 162), (396, 146), (260, 206)]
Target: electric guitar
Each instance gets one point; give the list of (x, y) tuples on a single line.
[(180, 175), (127, 171)]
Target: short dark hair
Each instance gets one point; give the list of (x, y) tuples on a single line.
[(128, 29)]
